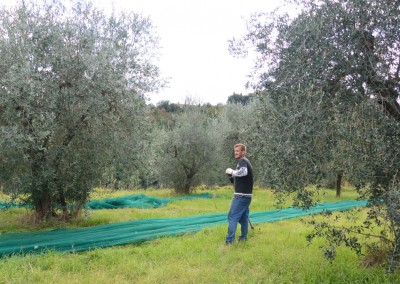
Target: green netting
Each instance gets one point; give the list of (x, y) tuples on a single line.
[(128, 201), (142, 230), (7, 205), (139, 201)]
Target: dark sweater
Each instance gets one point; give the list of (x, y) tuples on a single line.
[(244, 184)]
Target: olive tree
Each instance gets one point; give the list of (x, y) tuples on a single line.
[(188, 150), (329, 75), (72, 87)]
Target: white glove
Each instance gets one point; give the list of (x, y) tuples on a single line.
[(229, 171)]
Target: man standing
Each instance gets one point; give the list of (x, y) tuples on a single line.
[(242, 178)]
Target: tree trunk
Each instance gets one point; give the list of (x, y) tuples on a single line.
[(189, 180), (63, 203), (56, 164), (43, 206), (41, 196), (338, 184)]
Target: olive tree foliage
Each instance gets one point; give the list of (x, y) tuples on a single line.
[(238, 124), (329, 78), (188, 150), (198, 149), (72, 86)]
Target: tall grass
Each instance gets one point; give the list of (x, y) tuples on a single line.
[(275, 252)]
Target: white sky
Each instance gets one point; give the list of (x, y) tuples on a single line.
[(194, 38)]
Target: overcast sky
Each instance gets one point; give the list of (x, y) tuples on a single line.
[(194, 38)]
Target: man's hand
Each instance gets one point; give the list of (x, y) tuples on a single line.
[(229, 171)]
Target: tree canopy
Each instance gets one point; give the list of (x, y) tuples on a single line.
[(72, 87), (330, 94)]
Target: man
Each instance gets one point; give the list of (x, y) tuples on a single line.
[(242, 178)]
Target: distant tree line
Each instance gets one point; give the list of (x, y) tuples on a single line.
[(240, 99)]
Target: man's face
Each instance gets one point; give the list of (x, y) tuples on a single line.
[(238, 153)]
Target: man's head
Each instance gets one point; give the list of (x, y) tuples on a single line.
[(239, 151)]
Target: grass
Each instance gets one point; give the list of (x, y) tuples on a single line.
[(275, 253)]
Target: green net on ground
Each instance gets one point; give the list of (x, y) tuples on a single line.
[(139, 201), (143, 230), (129, 201), (8, 205)]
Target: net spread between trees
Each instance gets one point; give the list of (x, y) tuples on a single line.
[(326, 108), (142, 230)]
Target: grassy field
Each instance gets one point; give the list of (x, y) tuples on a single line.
[(274, 253)]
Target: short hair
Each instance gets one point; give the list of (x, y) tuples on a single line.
[(241, 146)]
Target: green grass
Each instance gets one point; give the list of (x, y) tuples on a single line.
[(275, 252)]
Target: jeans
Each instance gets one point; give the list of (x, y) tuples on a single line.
[(239, 213)]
